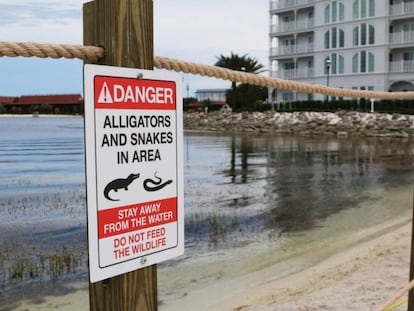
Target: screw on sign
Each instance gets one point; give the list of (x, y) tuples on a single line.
[(133, 134)]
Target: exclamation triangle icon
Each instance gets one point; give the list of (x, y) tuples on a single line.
[(105, 96)]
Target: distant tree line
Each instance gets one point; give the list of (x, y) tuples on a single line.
[(363, 105)]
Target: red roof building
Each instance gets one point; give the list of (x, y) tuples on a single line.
[(66, 104), (6, 100), (50, 99)]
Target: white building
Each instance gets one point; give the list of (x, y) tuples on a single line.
[(354, 44), (214, 95)]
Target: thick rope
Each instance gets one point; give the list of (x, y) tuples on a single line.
[(31, 49), (238, 76), (397, 296), (93, 54)]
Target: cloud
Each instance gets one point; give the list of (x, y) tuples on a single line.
[(196, 31), (43, 21)]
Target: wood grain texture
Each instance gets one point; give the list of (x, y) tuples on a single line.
[(124, 28)]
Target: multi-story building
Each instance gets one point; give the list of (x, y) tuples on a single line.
[(353, 44)]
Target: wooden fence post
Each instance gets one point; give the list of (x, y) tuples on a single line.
[(124, 28), (411, 292)]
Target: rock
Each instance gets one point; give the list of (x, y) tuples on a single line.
[(340, 124)]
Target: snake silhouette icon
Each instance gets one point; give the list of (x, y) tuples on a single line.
[(155, 185)]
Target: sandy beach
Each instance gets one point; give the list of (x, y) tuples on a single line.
[(361, 277)]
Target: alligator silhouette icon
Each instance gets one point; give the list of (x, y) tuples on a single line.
[(119, 183)]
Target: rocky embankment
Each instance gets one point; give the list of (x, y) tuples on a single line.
[(342, 123)]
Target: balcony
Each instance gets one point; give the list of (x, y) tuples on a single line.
[(292, 74), (402, 66), (301, 24), (285, 4), (401, 9), (402, 37), (292, 49)]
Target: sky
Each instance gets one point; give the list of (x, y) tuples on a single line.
[(196, 31)]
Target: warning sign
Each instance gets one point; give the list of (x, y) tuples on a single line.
[(133, 138)]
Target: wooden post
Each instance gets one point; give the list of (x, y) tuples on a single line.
[(411, 292), (124, 28)]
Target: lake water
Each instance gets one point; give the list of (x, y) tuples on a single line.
[(250, 201)]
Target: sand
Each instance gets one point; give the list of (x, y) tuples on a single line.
[(361, 277)]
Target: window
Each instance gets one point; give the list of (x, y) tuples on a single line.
[(288, 66), (356, 9), (363, 65), (341, 64), (341, 11), (363, 8), (333, 63), (334, 38), (337, 64), (363, 34), (334, 12), (355, 36), (363, 62), (371, 35), (288, 19), (327, 40), (327, 14), (371, 62), (341, 38), (355, 59), (371, 7), (360, 35), (408, 56)]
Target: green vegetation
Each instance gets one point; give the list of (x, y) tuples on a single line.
[(17, 268), (362, 105), (236, 97)]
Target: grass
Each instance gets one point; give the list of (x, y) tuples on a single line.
[(54, 265)]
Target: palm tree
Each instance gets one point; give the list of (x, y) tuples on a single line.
[(239, 63)]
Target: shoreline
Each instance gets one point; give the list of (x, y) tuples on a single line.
[(329, 124), (360, 277), (357, 271), (39, 116)]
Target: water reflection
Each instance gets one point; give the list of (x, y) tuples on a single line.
[(282, 184), (239, 189)]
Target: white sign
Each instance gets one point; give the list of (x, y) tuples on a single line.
[(134, 168)]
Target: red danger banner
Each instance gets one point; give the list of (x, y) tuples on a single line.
[(128, 93), (135, 217)]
